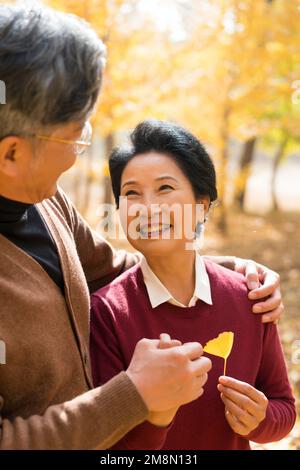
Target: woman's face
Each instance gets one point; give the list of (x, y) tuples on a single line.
[(158, 208)]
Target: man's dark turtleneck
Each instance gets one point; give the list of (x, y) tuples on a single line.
[(23, 225)]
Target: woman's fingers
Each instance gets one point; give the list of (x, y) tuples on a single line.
[(235, 424), (241, 400), (245, 389), (239, 386), (242, 415)]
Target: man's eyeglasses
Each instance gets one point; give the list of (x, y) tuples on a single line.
[(79, 145)]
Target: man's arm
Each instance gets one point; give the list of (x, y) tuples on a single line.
[(95, 420), (262, 282), (101, 417), (107, 361)]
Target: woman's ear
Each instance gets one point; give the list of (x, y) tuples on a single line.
[(204, 204)]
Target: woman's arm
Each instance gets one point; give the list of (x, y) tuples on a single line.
[(266, 412)]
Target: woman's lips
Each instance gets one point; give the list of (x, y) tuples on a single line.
[(150, 231)]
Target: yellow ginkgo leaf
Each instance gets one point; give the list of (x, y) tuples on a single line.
[(220, 346)]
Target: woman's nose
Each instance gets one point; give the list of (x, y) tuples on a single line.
[(150, 207), (151, 203)]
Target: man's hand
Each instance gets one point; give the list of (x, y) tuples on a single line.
[(245, 407), (168, 378), (262, 282), (164, 418)]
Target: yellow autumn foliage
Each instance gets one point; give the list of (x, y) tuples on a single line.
[(221, 346)]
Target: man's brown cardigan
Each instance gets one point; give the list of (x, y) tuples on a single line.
[(46, 395)]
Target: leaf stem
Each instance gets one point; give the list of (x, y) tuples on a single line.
[(225, 363)]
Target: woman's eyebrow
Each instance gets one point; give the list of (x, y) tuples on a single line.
[(128, 182), (164, 177)]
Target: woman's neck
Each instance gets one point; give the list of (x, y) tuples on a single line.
[(177, 273)]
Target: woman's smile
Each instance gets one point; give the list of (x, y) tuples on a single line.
[(155, 230)]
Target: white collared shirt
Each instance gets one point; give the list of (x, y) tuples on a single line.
[(159, 294)]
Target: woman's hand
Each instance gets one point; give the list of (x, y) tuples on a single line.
[(262, 282), (245, 407)]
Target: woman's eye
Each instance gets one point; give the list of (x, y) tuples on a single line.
[(130, 193), (165, 186)]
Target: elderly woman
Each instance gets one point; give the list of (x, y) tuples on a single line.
[(174, 290), (50, 259)]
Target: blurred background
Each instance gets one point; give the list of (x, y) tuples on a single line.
[(228, 70)]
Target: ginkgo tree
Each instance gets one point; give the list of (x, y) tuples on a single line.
[(281, 113), (227, 75), (139, 63), (226, 64)]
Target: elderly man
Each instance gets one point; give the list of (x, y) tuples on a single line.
[(50, 259)]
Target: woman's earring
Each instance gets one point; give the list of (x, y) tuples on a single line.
[(199, 234)]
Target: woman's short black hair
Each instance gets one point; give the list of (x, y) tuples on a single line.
[(172, 139)]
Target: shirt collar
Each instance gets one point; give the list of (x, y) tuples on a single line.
[(158, 293)]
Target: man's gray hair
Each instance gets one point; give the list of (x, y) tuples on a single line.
[(51, 64)]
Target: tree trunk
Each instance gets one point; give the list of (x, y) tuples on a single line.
[(241, 179), (222, 219), (108, 144), (222, 175), (276, 162)]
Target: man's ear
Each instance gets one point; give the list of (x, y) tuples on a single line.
[(8, 151)]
